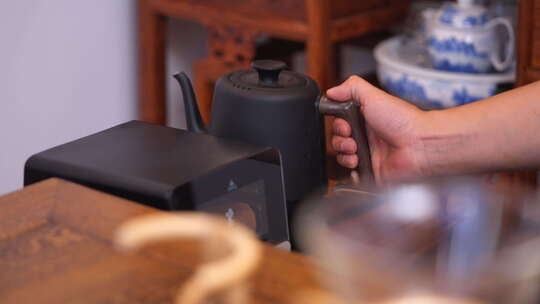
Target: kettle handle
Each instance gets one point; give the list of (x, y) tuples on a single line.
[(350, 112)]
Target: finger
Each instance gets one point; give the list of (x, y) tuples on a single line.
[(376, 158), (355, 178), (341, 127), (352, 88), (347, 160), (345, 145)]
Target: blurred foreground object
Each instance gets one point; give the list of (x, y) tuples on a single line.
[(224, 278), (452, 240)]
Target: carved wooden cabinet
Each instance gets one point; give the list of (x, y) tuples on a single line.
[(528, 46), (233, 26)]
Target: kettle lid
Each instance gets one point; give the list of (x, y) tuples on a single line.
[(268, 75)]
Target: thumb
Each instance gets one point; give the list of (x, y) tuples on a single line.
[(353, 88), (382, 111)]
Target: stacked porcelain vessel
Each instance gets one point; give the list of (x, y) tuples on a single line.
[(465, 55)]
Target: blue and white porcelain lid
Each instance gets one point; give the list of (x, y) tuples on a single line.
[(463, 14)]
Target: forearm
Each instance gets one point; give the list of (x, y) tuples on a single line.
[(498, 133)]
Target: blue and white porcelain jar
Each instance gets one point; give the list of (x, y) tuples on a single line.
[(461, 37)]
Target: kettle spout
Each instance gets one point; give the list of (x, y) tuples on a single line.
[(194, 120)]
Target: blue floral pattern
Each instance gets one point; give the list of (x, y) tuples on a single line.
[(450, 15), (462, 97), (476, 20), (446, 65), (411, 91), (453, 45)]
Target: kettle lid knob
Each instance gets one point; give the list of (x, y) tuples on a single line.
[(268, 71)]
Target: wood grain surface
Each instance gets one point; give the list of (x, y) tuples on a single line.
[(56, 247)]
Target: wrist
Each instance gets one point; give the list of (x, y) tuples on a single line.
[(444, 143)]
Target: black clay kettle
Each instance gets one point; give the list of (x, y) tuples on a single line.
[(271, 106)]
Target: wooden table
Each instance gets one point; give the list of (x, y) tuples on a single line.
[(56, 247)]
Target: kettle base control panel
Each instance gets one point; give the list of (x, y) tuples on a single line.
[(173, 169)]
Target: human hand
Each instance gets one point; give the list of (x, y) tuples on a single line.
[(394, 130)]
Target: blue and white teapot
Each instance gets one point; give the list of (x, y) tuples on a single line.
[(461, 37)]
